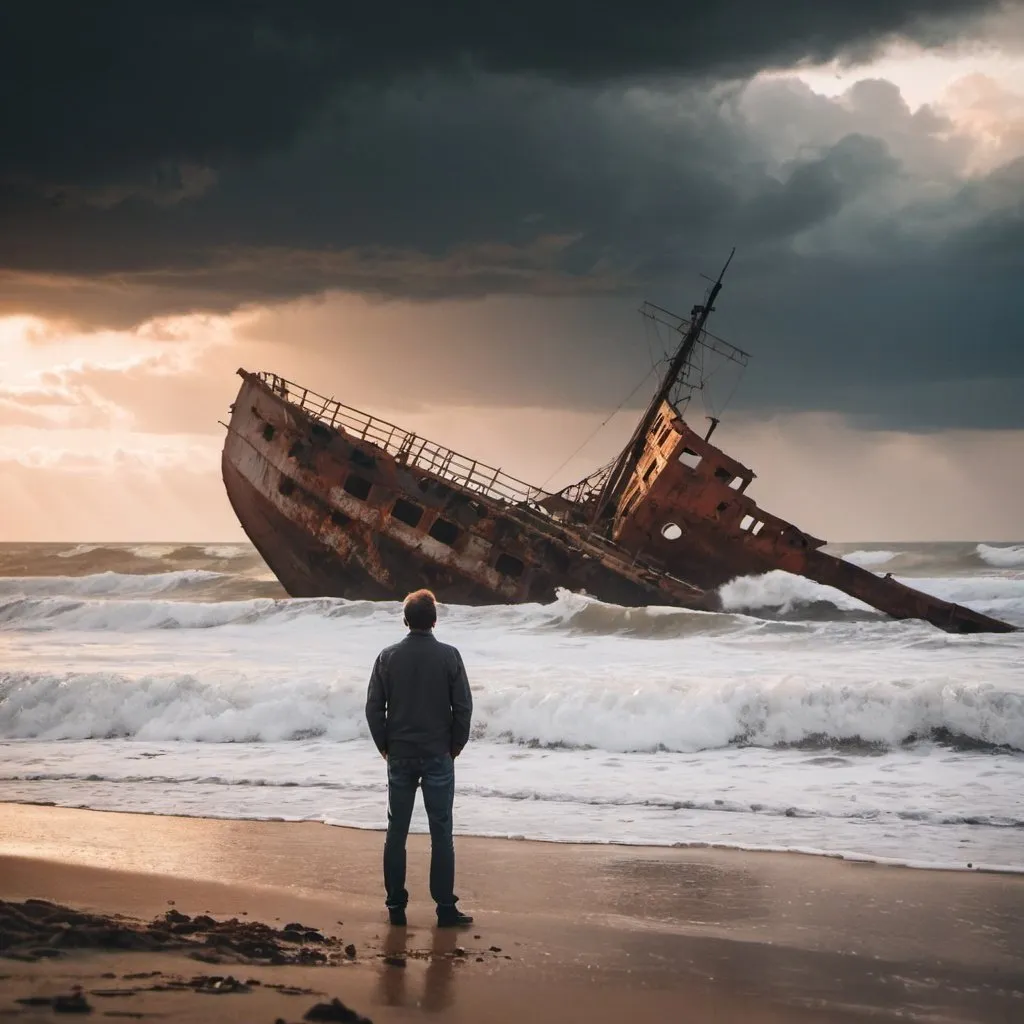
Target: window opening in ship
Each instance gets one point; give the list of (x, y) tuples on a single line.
[(665, 431), (690, 458), (671, 531), (406, 512), (360, 458), (722, 506), (721, 473), (746, 522), (268, 432), (358, 486), (650, 470), (445, 532), (507, 565), (758, 527), (286, 485), (737, 483), (339, 518)]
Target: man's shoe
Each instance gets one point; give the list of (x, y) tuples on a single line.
[(396, 915), (451, 917)]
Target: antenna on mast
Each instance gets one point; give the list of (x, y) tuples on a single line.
[(630, 455)]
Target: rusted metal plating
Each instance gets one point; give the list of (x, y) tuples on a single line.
[(386, 516)]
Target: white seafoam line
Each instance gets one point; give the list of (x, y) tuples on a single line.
[(856, 805)]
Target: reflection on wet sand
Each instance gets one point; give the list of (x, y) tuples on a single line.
[(435, 992)]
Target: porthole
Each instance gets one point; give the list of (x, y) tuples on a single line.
[(671, 531)]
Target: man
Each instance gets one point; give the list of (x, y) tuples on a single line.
[(419, 707)]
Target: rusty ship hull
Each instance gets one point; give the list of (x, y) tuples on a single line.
[(340, 503)]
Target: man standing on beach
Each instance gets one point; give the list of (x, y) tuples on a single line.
[(418, 708)]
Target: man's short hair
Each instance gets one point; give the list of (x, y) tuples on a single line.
[(420, 609)]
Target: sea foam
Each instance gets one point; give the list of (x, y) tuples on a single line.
[(1011, 557), (628, 713)]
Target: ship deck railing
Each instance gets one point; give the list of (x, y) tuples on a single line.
[(407, 447)]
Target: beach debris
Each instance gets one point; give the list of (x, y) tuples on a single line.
[(37, 929), (217, 985), (350, 951), (335, 1010), (72, 1002)]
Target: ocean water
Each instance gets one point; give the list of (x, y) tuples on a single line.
[(174, 679)]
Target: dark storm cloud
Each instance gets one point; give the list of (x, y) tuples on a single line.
[(94, 91), (444, 190), (227, 155)]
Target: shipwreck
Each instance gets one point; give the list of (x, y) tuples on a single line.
[(340, 503)]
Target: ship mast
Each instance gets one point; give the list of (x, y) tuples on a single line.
[(632, 453)]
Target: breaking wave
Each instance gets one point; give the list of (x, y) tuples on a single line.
[(1011, 557), (630, 715), (107, 584), (784, 595), (573, 613), (195, 599), (191, 584)]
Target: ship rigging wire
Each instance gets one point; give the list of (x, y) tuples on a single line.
[(590, 437)]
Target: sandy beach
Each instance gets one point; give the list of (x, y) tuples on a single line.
[(562, 933)]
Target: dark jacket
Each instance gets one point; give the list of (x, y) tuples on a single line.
[(418, 703)]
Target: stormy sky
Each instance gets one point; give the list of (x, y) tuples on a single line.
[(449, 213)]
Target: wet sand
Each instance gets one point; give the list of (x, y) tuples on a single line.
[(562, 933)]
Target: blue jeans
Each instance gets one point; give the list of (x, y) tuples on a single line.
[(436, 777)]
